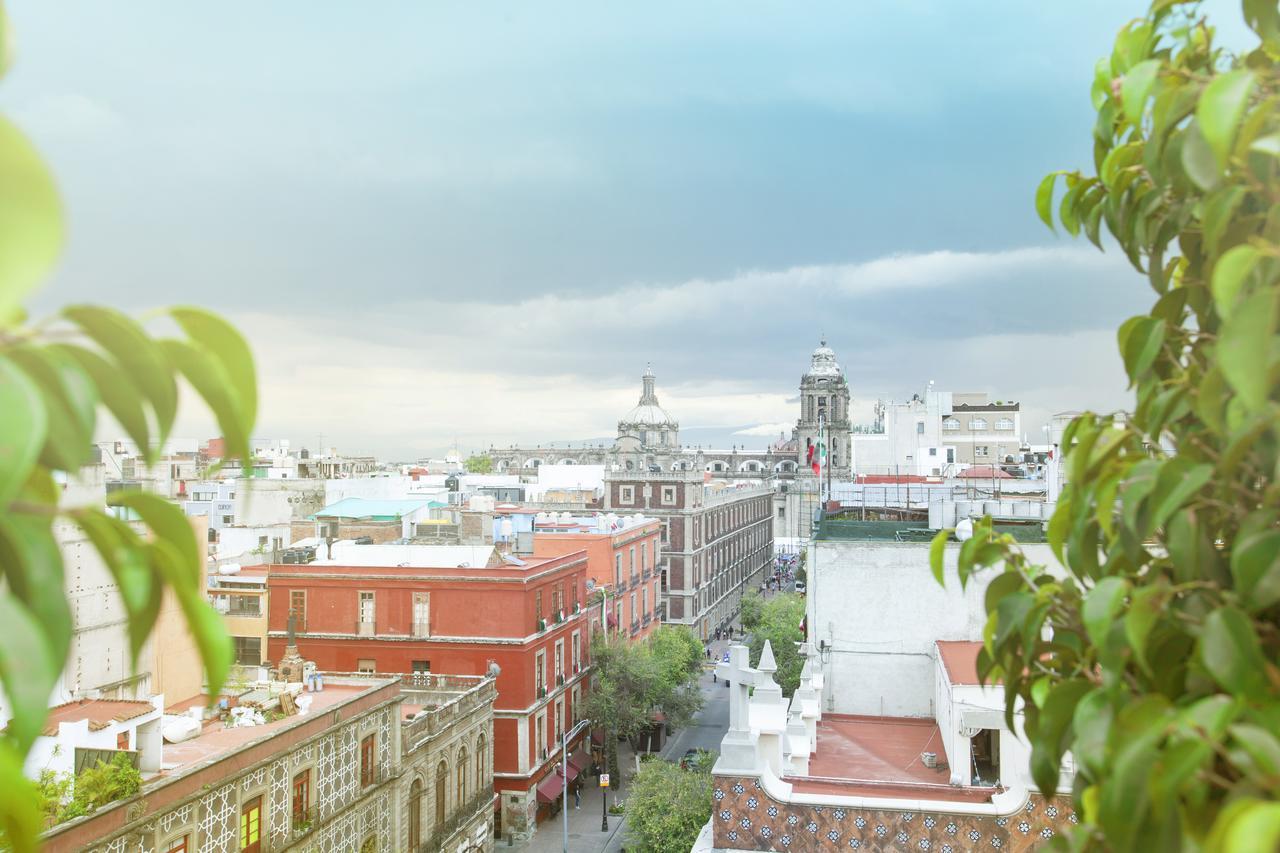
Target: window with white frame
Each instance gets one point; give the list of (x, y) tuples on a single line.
[(626, 494), (559, 659), (577, 651), (951, 423), (1004, 423), (668, 495), (977, 423), (982, 450), (366, 607), (540, 672)]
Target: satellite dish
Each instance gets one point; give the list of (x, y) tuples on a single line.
[(964, 530)]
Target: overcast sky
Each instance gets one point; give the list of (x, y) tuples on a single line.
[(478, 221)]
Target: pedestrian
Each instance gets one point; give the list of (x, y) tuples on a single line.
[(577, 796)]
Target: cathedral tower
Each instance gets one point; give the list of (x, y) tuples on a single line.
[(824, 395)]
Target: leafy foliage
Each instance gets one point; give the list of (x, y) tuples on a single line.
[(779, 623), (1152, 654), (64, 797), (55, 376), (751, 610), (478, 464), (632, 681), (668, 806)]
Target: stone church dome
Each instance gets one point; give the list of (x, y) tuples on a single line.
[(648, 413), (824, 362)]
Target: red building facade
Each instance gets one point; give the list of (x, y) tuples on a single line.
[(529, 620)]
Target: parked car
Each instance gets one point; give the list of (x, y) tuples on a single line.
[(800, 586)]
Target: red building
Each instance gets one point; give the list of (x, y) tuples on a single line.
[(413, 609), (623, 559)]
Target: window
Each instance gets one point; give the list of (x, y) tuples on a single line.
[(1004, 423), (540, 736), (366, 608), (537, 605), (950, 424), (981, 450), (422, 614), (626, 494), (933, 451), (366, 761), (415, 814), (482, 763), (177, 845), (617, 570), (248, 650), (226, 519), (122, 740), (442, 780), (366, 665), (298, 609), (462, 776), (251, 826), (559, 661), (919, 427), (668, 495), (557, 725), (540, 673), (644, 601), (977, 423), (782, 512), (422, 666), (576, 650), (302, 798)]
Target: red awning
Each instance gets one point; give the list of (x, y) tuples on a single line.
[(549, 788), (573, 772), (580, 761)]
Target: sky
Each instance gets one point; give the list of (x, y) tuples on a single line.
[(476, 223)]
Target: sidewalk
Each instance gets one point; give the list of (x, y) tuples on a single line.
[(585, 835)]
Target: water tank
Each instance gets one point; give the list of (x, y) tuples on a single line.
[(506, 529), (229, 569)]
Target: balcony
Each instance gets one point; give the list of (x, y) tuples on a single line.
[(481, 805), (542, 691), (560, 679), (364, 629), (421, 629), (300, 822)]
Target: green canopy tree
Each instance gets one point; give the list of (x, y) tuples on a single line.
[(1151, 651), (55, 378), (779, 623), (668, 806), (751, 609), (480, 463)]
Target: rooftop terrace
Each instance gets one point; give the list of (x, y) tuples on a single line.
[(880, 757)]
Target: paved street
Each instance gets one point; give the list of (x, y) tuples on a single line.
[(585, 836)]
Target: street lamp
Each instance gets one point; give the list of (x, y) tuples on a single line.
[(565, 737)]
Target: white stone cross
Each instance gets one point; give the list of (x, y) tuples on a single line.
[(741, 677)]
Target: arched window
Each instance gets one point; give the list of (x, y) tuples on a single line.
[(1004, 423), (461, 770), (977, 423), (950, 423), (482, 762), (442, 780), (415, 814)]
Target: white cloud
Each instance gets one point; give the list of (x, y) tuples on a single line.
[(767, 430)]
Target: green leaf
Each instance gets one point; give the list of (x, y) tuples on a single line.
[(1269, 144), (207, 626), (1246, 825), (31, 232), (1052, 729), (1229, 275), (1219, 209), (119, 393), (1244, 348), (1255, 565), (170, 525), (225, 344), (69, 399), (1143, 338), (211, 382), (1136, 88), (1144, 612), (1259, 751), (937, 550), (1179, 479), (1230, 652), (31, 563), (139, 356), (20, 817), (23, 423), (1221, 108), (1092, 723), (1044, 198), (1101, 605), (28, 670), (1198, 158), (126, 557)]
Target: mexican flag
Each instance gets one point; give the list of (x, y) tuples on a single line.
[(819, 456)]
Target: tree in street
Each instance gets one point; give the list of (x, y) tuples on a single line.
[(751, 609), (632, 682), (668, 806), (779, 623), (1152, 654)]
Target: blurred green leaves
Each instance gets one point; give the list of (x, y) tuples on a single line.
[(54, 377), (1160, 670)]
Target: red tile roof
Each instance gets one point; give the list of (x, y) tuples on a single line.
[(984, 472), (99, 712), (960, 660)]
